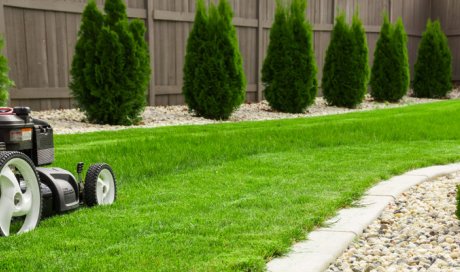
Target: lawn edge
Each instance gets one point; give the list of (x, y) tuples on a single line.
[(326, 244)]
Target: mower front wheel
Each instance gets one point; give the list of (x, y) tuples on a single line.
[(100, 185), (20, 194)]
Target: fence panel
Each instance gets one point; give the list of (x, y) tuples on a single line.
[(40, 42), (41, 36)]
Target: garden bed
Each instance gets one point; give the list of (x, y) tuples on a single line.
[(73, 121)]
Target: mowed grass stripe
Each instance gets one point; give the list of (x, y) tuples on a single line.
[(228, 197)]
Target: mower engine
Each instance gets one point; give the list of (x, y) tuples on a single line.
[(28, 191), (20, 132)]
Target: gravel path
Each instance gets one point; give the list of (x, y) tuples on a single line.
[(419, 232), (72, 121)]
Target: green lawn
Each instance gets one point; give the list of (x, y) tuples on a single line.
[(228, 197)]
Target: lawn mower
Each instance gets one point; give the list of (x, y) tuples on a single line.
[(29, 191)]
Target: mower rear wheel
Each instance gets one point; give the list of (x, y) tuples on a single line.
[(20, 194), (100, 185)]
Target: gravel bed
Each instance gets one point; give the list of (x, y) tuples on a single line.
[(419, 232), (73, 121)]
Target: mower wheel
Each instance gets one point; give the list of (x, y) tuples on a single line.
[(100, 185), (20, 194)]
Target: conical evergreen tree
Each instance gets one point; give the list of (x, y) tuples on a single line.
[(196, 54), (111, 66), (277, 63), (214, 81), (433, 69), (303, 57), (141, 70), (383, 74), (390, 72), (233, 61), (5, 82), (109, 86), (85, 59), (402, 61), (345, 72), (361, 62), (337, 71), (293, 88)]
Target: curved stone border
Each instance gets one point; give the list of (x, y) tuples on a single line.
[(326, 244)]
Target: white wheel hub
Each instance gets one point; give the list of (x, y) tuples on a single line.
[(16, 202), (105, 188)]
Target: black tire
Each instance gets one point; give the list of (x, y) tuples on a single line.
[(34, 220), (91, 185)]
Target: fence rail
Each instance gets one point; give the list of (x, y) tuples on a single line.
[(41, 36)]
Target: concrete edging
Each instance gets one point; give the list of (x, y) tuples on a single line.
[(326, 244)]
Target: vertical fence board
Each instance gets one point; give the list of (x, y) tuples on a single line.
[(16, 44), (150, 38), (61, 50), (51, 50)]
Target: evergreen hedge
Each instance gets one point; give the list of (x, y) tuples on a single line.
[(111, 66), (289, 70), (346, 70), (5, 82), (433, 69), (390, 72), (214, 80)]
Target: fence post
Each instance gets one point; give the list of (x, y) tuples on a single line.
[(260, 55), (2, 26), (390, 10), (150, 33), (334, 10), (3, 35)]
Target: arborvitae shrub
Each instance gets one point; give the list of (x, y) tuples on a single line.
[(433, 69), (111, 66), (194, 74), (277, 63), (214, 81), (84, 60), (233, 72), (5, 82), (390, 72), (361, 63), (289, 70), (383, 75), (141, 70), (346, 71), (400, 42)]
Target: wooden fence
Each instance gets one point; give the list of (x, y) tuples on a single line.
[(41, 36)]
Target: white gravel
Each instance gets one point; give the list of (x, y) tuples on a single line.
[(72, 121), (419, 232)]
